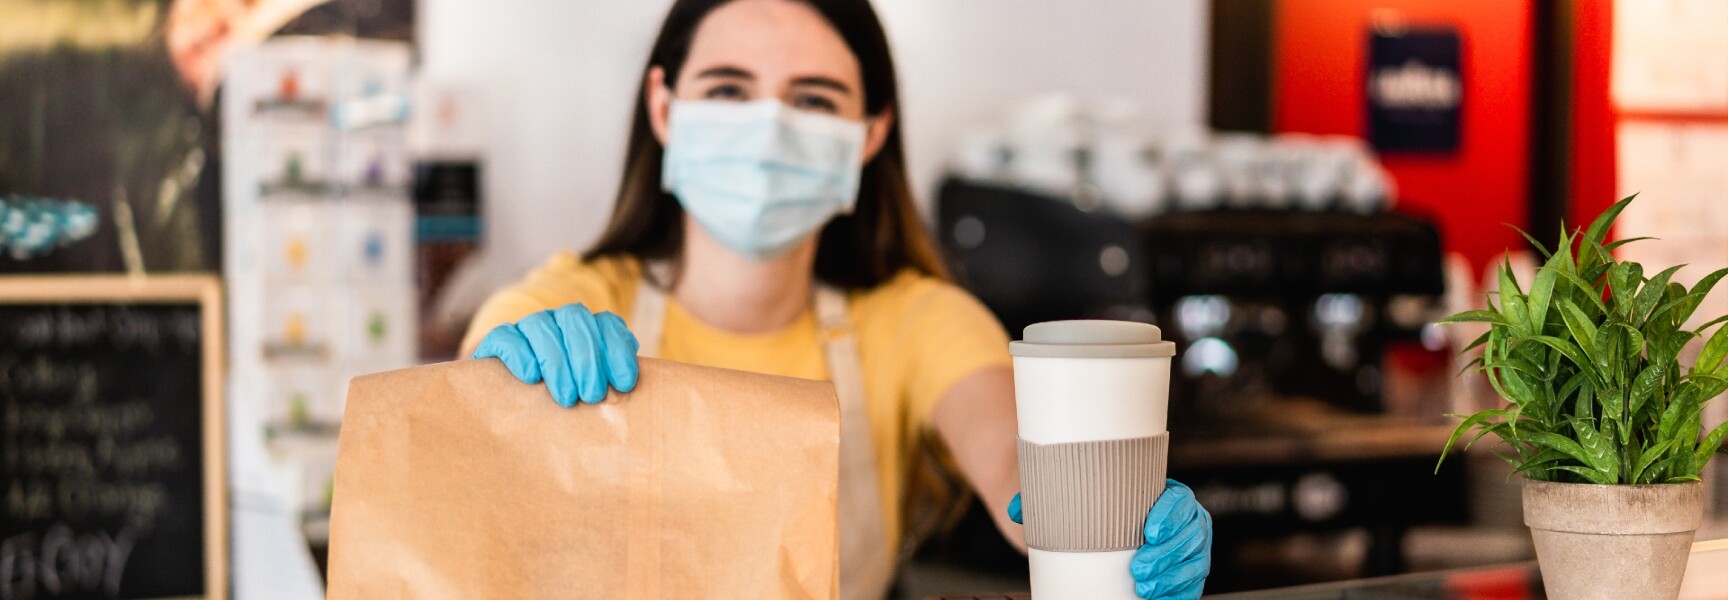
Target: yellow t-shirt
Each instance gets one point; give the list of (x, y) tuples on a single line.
[(917, 336)]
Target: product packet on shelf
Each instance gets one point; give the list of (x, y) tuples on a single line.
[(457, 481)]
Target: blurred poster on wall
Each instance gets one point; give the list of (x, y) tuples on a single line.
[(109, 134), (1670, 55), (1415, 89)]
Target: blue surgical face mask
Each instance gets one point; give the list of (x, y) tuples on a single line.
[(760, 176)]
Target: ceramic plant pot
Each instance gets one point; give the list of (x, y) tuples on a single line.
[(1621, 542)]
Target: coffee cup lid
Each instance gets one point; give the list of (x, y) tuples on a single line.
[(1092, 339)]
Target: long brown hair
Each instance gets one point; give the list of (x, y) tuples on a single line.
[(881, 237)]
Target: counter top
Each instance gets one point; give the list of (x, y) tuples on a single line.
[(1706, 579)]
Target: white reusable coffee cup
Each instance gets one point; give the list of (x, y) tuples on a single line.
[(1092, 398)]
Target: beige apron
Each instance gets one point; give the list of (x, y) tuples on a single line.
[(866, 565)]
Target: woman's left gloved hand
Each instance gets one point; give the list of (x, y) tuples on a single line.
[(1177, 555)]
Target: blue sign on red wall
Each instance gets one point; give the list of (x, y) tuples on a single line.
[(1415, 89)]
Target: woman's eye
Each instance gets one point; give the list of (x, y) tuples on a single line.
[(726, 91), (814, 102)]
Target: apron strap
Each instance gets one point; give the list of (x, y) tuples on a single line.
[(866, 561), (648, 315)]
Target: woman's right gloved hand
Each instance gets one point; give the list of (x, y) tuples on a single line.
[(1177, 556), (576, 352)]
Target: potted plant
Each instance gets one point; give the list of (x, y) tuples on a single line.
[(1601, 419)]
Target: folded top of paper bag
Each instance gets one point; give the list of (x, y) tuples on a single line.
[(457, 481)]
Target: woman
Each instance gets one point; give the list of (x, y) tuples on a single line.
[(764, 223)]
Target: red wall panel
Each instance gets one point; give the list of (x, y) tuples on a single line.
[(1593, 160), (1319, 67)]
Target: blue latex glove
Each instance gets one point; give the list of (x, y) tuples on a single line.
[(1177, 555), (576, 352)]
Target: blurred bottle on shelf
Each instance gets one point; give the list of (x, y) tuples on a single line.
[(447, 177)]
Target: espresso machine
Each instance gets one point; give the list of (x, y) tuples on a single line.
[(1279, 305), (1291, 326), (1265, 304)]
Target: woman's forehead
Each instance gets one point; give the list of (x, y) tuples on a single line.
[(774, 40)]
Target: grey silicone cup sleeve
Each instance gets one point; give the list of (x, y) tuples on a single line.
[(1090, 496)]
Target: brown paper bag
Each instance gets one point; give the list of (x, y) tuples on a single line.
[(457, 481)]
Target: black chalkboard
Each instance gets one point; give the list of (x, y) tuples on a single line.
[(111, 482)]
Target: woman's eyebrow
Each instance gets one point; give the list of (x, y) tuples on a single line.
[(822, 82), (725, 71)]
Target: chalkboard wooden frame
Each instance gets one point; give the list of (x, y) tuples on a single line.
[(205, 291)]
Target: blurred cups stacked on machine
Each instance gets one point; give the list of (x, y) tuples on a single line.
[(1102, 155)]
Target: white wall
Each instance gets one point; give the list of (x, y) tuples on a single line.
[(557, 78)]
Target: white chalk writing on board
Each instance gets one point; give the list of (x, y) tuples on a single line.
[(62, 561)]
